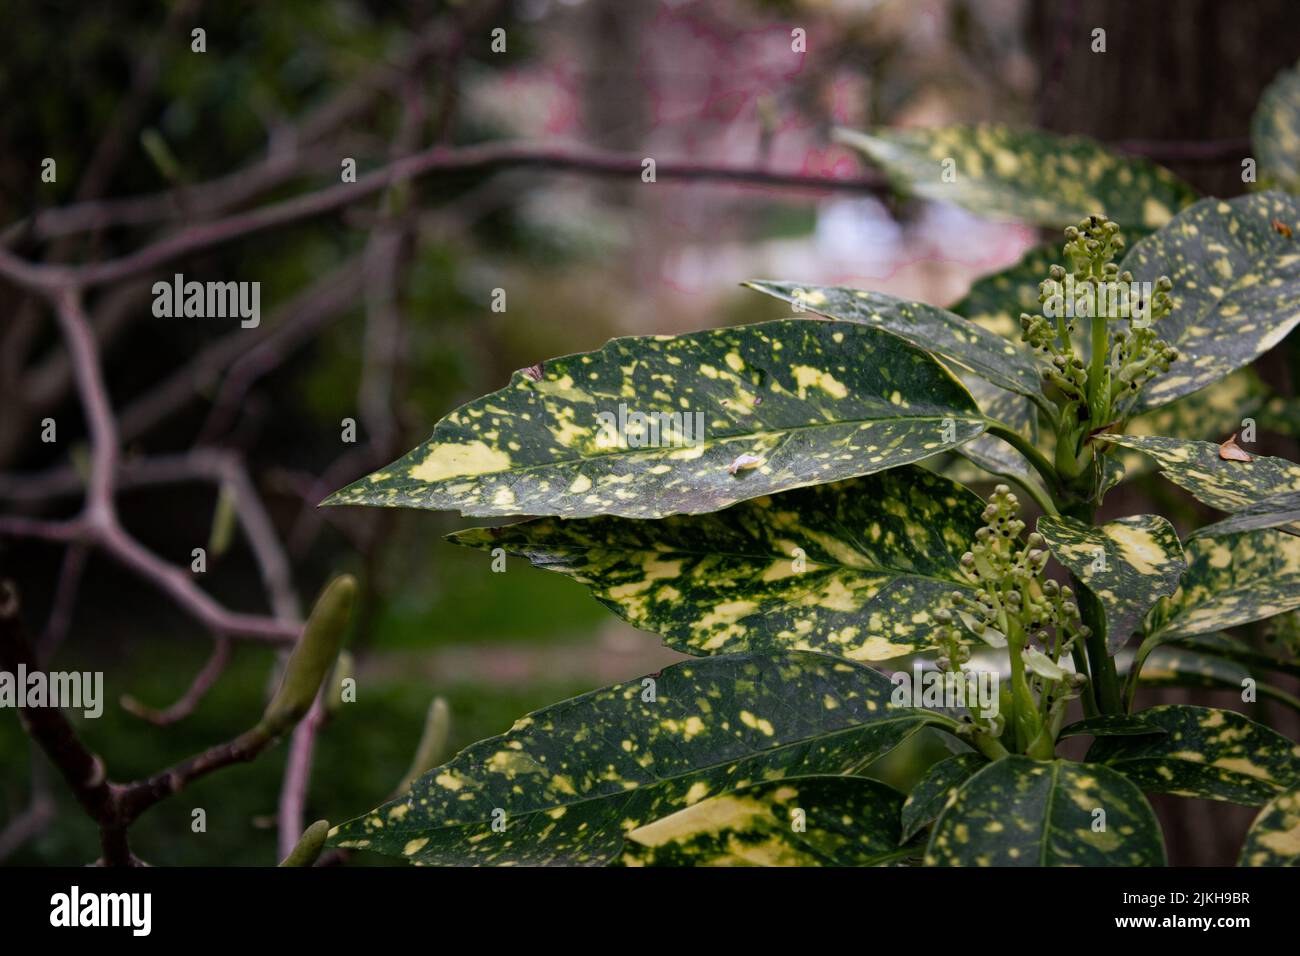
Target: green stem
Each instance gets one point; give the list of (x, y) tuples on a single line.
[(990, 747), (1100, 350), (1140, 656), (1035, 457)]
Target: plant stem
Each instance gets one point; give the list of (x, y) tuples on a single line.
[(1036, 458)]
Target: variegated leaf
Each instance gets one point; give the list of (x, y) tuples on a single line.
[(932, 792), (1236, 287), (1280, 511), (1177, 666), (1218, 644), (996, 301), (566, 783), (1231, 580), (1002, 361), (854, 568), (1110, 725), (1205, 752), (1170, 666), (1217, 409), (1275, 132), (1128, 564), (1025, 174), (1023, 812), (799, 821), (993, 454), (1197, 467), (797, 402), (1274, 838)]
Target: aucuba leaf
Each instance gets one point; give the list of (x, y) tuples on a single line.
[(1219, 644), (1205, 752), (1231, 580), (993, 454), (927, 799), (814, 401), (1028, 174), (1280, 511), (1197, 467), (1178, 666), (568, 782), (1023, 812), (1170, 666), (996, 301), (1216, 409), (1236, 287), (1002, 361), (1275, 132), (1274, 838), (854, 568), (1110, 725), (1128, 564), (798, 821)]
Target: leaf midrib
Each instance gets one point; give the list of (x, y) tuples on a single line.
[(976, 419)]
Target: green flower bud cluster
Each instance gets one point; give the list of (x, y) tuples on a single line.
[(1094, 393), (1141, 355), (1014, 605)]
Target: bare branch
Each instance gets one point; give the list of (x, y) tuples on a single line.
[(193, 696)]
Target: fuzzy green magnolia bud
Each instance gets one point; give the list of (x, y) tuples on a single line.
[(432, 746), (313, 656), (309, 845)]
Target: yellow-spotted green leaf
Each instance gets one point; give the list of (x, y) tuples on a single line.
[(1128, 564), (1028, 174), (1110, 725), (854, 568), (657, 425), (1171, 666), (1236, 287), (1023, 812), (1002, 361), (1197, 467), (1205, 752), (1177, 666), (993, 454), (566, 783), (927, 799), (996, 301), (1222, 645), (799, 821), (1275, 132), (1280, 511), (1274, 838), (1231, 580), (1217, 409)]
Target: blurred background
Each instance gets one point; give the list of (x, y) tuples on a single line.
[(382, 313)]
